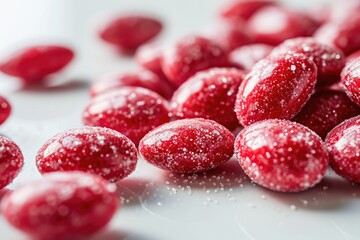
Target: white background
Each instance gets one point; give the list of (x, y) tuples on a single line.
[(220, 205)]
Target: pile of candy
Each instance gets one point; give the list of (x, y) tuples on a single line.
[(290, 79)]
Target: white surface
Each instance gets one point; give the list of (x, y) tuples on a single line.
[(158, 206)]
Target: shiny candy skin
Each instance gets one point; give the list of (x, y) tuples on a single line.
[(11, 161), (61, 206), (133, 111), (344, 148), (276, 87), (350, 79), (188, 145), (96, 150), (5, 110), (281, 155), (190, 55), (34, 63), (128, 32), (209, 94)]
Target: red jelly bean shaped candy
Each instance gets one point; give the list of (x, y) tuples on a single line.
[(209, 94), (329, 60), (276, 87), (129, 110), (11, 161), (95, 150), (188, 145), (240, 10), (281, 155), (190, 55), (61, 206), (5, 110), (140, 78), (129, 32), (344, 34), (325, 110), (246, 56), (344, 147), (35, 63), (273, 25), (350, 79)]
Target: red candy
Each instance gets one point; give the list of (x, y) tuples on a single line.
[(281, 155), (344, 34), (35, 63), (353, 56), (101, 151), (129, 110), (246, 56), (190, 55), (188, 145), (61, 205), (140, 78), (325, 110), (11, 161), (276, 87), (5, 110), (350, 78), (272, 25), (149, 57), (229, 36), (130, 32), (329, 60), (209, 94), (243, 9), (344, 147)]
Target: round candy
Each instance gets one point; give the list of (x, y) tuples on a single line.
[(344, 147), (190, 55), (209, 94), (188, 145), (61, 205), (129, 32), (273, 24), (11, 161), (281, 155), (246, 56), (329, 60), (325, 110), (37, 62), (276, 87), (130, 110), (350, 79), (5, 110), (140, 78), (95, 150), (149, 57)]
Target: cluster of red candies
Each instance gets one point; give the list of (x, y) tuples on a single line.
[(290, 79)]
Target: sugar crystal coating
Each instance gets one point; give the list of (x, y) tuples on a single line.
[(189, 55), (276, 87), (246, 56), (96, 150), (128, 32), (139, 78), (350, 79), (5, 110), (329, 60), (325, 110), (188, 145), (36, 62), (11, 161), (209, 94), (344, 147), (281, 155), (132, 111), (61, 205)]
